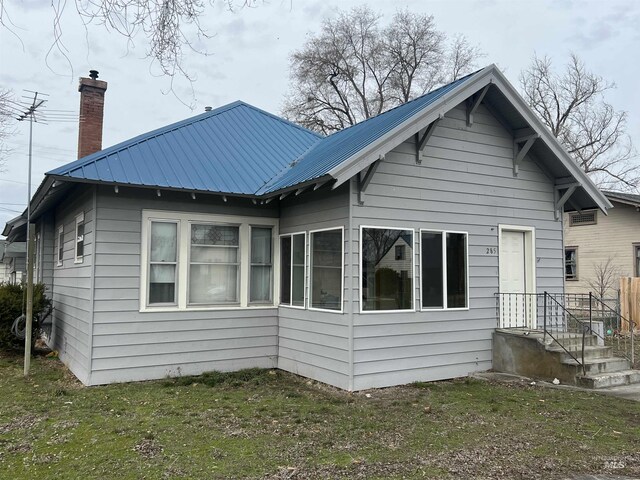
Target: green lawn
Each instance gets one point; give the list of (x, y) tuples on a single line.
[(269, 424)]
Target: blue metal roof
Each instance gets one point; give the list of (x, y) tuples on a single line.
[(338, 147), (232, 149), (237, 149)]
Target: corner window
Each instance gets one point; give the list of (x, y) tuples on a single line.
[(261, 284), (60, 247), (444, 269), (292, 269), (386, 281), (199, 261), (571, 263), (79, 244), (326, 259)]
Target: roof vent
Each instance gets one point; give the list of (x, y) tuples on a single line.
[(583, 218), (207, 109), (93, 74)]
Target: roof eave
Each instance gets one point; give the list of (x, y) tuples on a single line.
[(487, 76)]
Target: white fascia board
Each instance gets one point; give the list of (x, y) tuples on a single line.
[(552, 142), (489, 75), (361, 160)]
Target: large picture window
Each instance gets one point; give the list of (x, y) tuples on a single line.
[(443, 260), (214, 265), (200, 261), (326, 269), (387, 274), (292, 269)]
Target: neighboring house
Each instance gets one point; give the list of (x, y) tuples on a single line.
[(13, 262), (236, 239), (599, 249)]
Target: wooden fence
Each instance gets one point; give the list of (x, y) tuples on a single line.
[(630, 301)]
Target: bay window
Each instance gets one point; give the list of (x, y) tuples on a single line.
[(326, 259), (444, 269), (387, 271), (195, 261)]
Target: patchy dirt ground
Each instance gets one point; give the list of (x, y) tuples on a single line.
[(272, 425)]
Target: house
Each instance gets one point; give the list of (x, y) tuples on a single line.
[(237, 239), (12, 262), (599, 249)]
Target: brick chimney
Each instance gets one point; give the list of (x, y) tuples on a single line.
[(91, 113)]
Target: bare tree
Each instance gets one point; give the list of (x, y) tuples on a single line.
[(170, 26), (7, 112), (355, 68), (605, 278), (572, 105)]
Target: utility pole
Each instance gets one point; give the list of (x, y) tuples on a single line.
[(30, 114)]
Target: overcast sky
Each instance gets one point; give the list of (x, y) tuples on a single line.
[(248, 60)]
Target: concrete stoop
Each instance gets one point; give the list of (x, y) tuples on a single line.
[(529, 353)]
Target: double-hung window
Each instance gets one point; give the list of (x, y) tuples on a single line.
[(444, 269), (79, 243), (196, 261), (60, 246), (571, 263), (387, 271), (163, 263), (292, 269)]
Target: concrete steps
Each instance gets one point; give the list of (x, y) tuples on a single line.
[(611, 379), (534, 354)]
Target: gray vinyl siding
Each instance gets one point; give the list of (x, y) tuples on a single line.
[(47, 251), (312, 343), (71, 290), (133, 345), (464, 183)]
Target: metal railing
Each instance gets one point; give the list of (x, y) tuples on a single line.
[(567, 319)]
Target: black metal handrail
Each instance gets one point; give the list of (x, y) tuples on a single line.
[(631, 325)]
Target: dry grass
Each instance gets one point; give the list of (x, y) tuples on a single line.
[(270, 424)]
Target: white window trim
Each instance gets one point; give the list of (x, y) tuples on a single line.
[(59, 244), (413, 269), (304, 288), (79, 258), (147, 244), (316, 309), (444, 271), (185, 219)]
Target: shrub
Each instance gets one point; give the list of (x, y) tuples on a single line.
[(12, 299)]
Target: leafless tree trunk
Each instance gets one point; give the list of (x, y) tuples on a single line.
[(355, 68), (605, 278), (572, 105)]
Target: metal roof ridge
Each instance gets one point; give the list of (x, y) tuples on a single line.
[(283, 120), (144, 137)]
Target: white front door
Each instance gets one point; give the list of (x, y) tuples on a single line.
[(517, 309)]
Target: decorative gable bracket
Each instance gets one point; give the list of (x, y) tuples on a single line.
[(364, 180), (421, 141), (568, 188), (519, 152), (473, 103)]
